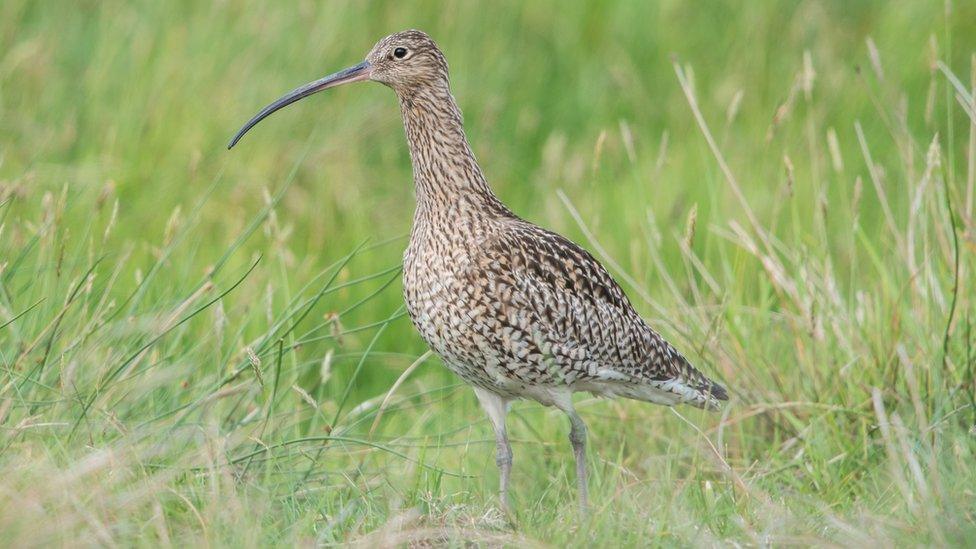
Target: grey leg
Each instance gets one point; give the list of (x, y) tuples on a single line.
[(497, 408), (577, 437)]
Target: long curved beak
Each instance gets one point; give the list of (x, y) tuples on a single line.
[(352, 74)]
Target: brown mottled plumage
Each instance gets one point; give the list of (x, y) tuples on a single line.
[(515, 310)]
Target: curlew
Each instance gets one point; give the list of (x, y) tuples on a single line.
[(516, 311)]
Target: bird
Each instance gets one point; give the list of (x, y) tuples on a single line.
[(516, 311)]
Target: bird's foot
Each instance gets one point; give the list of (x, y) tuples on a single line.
[(507, 511)]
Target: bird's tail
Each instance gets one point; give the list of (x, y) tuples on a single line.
[(690, 386), (712, 396), (677, 383), (698, 391)]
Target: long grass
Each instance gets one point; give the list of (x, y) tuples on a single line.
[(203, 347)]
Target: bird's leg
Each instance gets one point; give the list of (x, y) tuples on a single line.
[(497, 408), (577, 437), (503, 458)]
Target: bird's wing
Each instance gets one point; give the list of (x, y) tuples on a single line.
[(556, 296)]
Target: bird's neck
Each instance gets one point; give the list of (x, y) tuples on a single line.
[(445, 172)]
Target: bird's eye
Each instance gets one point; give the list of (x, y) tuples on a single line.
[(400, 53)]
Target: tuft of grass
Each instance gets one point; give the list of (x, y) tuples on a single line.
[(202, 347)]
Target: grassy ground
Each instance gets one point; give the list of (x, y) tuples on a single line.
[(200, 346)]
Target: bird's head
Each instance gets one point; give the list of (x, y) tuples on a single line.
[(407, 61)]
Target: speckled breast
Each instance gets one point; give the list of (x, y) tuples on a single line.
[(440, 305)]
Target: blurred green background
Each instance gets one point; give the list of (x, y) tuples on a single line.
[(114, 118)]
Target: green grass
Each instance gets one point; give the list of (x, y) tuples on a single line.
[(195, 344)]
